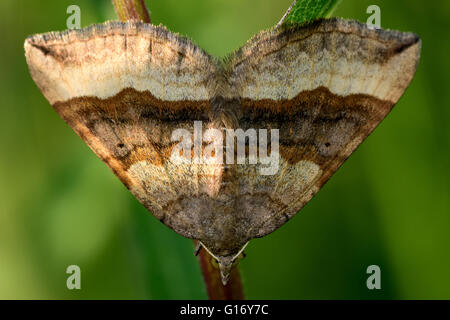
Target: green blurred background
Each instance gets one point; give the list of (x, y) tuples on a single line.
[(388, 205)]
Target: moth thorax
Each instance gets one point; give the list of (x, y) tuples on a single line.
[(224, 112)]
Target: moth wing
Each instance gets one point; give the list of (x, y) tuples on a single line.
[(122, 88), (325, 86)]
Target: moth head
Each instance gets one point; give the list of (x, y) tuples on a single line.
[(225, 267), (227, 262)]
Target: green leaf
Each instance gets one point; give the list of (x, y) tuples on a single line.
[(307, 10)]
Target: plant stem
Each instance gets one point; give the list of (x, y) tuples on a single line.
[(136, 10), (132, 10), (286, 14)]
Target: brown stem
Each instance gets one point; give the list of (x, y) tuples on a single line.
[(136, 10), (286, 14), (211, 275), (132, 10)]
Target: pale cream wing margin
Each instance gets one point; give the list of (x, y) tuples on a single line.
[(104, 59)]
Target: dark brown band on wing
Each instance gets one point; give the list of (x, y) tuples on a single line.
[(143, 103), (320, 100), (132, 126), (316, 125)]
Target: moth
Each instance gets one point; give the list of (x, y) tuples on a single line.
[(124, 88)]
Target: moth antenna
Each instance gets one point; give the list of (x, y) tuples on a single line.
[(225, 262), (240, 251)]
